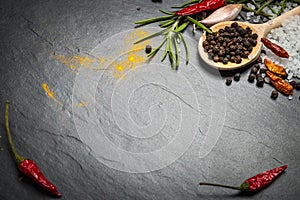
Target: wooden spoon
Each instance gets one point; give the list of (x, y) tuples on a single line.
[(261, 29)]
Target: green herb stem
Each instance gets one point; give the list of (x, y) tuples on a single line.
[(199, 24), (17, 157), (263, 6)]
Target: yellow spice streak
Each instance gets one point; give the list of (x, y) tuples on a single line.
[(136, 57), (128, 63), (133, 37), (50, 93), (81, 104), (77, 61)]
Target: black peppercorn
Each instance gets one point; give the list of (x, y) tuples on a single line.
[(216, 58), (262, 70), (237, 77), (228, 81), (148, 48), (297, 86), (225, 60), (251, 78), (256, 66), (234, 24), (254, 36), (293, 83), (274, 94), (259, 60), (260, 82), (254, 70)]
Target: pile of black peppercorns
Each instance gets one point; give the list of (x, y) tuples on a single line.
[(230, 44)]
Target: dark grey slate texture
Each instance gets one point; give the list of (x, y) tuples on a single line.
[(227, 133)]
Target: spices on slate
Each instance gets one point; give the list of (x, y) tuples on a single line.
[(225, 13), (256, 182), (199, 7), (274, 94), (230, 44), (276, 69), (276, 49), (228, 81), (280, 84), (27, 166)]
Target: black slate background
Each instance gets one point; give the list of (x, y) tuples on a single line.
[(258, 134)]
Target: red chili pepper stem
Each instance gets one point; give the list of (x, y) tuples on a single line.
[(17, 157), (220, 185)]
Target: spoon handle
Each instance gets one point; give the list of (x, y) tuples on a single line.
[(276, 22)]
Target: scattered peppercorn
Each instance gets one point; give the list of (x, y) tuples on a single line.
[(297, 86), (251, 78), (260, 82), (254, 70), (274, 94), (148, 49), (257, 66), (263, 51), (138, 8), (293, 83), (258, 76), (237, 77), (228, 81), (259, 60), (262, 70)]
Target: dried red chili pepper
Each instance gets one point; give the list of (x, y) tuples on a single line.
[(199, 7), (276, 49), (280, 84), (256, 182), (27, 166), (276, 69)]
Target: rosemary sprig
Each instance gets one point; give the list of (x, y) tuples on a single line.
[(172, 28)]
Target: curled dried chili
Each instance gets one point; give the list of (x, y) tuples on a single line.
[(256, 182), (276, 69), (280, 84), (199, 7), (276, 49), (27, 166)]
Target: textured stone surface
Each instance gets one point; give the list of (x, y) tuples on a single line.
[(211, 132)]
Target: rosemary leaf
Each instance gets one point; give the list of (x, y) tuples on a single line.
[(263, 6), (167, 12), (187, 3), (167, 23), (199, 24), (182, 27), (187, 56), (151, 20), (150, 36), (154, 51), (177, 57)]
